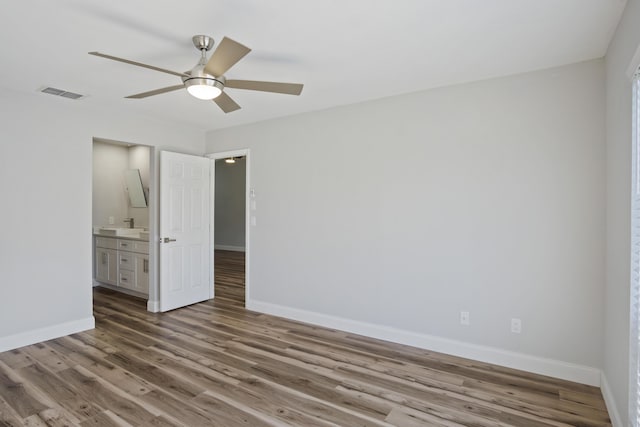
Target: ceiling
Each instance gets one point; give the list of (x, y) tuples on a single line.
[(344, 51)]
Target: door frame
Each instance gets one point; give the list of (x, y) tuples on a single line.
[(247, 215)]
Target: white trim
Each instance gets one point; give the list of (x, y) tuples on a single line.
[(212, 226), (634, 64), (247, 226), (554, 368), (634, 260), (229, 248), (153, 306), (44, 334), (609, 400), (154, 215), (225, 154)]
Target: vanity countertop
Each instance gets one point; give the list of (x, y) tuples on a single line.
[(125, 237), (141, 234)]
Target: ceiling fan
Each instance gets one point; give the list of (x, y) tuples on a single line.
[(206, 80)]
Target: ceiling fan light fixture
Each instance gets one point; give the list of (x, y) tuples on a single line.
[(204, 88), (206, 79)]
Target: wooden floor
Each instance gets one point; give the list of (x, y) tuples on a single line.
[(229, 271), (216, 364)]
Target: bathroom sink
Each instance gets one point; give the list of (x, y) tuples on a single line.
[(117, 231)]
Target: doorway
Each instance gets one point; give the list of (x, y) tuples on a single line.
[(237, 265), (123, 262), (231, 203)]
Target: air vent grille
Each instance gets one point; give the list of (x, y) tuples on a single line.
[(62, 93)]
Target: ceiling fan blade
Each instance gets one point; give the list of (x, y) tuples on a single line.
[(139, 64), (225, 103), (225, 56), (286, 88), (155, 92)]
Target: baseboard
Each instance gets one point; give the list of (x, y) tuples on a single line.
[(229, 248), (44, 334), (612, 408), (554, 368), (153, 306)]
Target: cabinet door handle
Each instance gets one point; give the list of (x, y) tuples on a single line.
[(124, 279), (104, 257), (125, 260), (145, 266)]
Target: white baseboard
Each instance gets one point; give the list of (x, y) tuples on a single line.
[(612, 408), (229, 248), (153, 306), (554, 368), (44, 334)]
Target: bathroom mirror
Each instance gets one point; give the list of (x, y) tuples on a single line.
[(137, 196)]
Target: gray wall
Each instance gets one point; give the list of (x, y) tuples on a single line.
[(229, 231), (618, 155), (401, 212), (45, 177)]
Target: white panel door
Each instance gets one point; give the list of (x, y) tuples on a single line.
[(185, 248)]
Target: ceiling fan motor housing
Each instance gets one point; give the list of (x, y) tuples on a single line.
[(198, 73), (198, 77)]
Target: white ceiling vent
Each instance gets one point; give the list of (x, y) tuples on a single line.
[(60, 92)]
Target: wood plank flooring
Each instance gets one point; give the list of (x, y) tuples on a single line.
[(229, 273), (216, 364)]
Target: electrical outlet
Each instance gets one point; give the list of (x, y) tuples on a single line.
[(516, 326), (112, 220), (464, 318)]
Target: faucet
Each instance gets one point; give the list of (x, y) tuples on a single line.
[(130, 221)]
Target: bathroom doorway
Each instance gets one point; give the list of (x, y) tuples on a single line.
[(123, 217)]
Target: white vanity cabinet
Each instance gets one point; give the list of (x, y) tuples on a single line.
[(106, 261), (123, 263), (133, 265)]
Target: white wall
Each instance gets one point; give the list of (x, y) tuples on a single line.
[(109, 197), (229, 230), (618, 119), (399, 213), (45, 183)]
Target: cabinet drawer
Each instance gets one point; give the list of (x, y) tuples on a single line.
[(126, 260), (127, 279), (133, 246), (105, 242)]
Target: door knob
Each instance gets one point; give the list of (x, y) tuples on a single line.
[(167, 240)]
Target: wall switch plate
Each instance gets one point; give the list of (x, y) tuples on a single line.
[(464, 318), (516, 326), (112, 220), (253, 221)]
